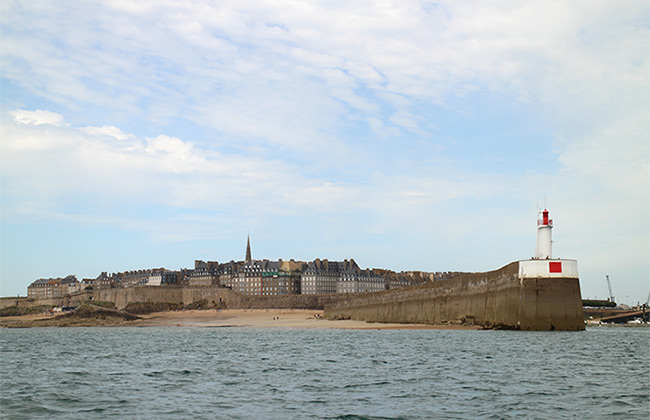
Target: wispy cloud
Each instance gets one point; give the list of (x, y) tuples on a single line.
[(37, 117), (252, 70), (64, 159)]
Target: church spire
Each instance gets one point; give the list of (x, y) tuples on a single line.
[(248, 249)]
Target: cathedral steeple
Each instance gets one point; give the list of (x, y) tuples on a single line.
[(248, 250)]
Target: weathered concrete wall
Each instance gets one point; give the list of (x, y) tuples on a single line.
[(498, 298)]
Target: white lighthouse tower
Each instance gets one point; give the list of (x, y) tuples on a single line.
[(544, 226), (543, 265)]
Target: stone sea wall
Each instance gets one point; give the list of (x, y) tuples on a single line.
[(497, 298)]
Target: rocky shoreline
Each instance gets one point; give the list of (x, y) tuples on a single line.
[(84, 316)]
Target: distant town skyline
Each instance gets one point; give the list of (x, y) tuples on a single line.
[(409, 135)]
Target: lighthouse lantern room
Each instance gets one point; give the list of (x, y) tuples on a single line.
[(544, 226)]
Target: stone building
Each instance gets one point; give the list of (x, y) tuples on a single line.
[(132, 278), (163, 277), (281, 278), (320, 277), (248, 279), (204, 274), (323, 277), (397, 281), (355, 280), (267, 278), (53, 288), (87, 284), (227, 272), (104, 281)]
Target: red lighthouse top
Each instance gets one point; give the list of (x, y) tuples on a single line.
[(545, 220)]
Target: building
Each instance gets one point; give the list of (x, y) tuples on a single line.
[(320, 277), (162, 277), (53, 288), (132, 278), (266, 278), (247, 280), (104, 281), (281, 278), (360, 281), (204, 274), (227, 272), (87, 284), (326, 277), (43, 289)]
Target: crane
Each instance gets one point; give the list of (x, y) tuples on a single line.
[(609, 286)]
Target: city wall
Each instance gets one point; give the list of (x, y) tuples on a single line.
[(497, 299), (21, 302), (215, 296)]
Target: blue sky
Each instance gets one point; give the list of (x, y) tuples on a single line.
[(406, 135)]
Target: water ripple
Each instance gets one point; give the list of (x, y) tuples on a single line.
[(239, 373)]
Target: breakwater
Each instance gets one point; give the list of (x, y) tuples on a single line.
[(525, 295)]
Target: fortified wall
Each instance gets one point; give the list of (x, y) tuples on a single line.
[(216, 296), (24, 302), (523, 295)]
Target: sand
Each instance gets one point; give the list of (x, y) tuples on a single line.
[(258, 318), (269, 318)]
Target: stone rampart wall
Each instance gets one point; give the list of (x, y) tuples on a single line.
[(122, 297), (6, 302), (220, 296), (216, 296), (494, 299)]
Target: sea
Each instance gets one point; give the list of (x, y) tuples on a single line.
[(255, 373)]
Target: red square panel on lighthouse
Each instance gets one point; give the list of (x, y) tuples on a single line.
[(555, 267)]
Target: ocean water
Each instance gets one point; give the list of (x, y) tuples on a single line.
[(250, 373)]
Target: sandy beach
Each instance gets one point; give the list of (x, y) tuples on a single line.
[(258, 318), (268, 318)]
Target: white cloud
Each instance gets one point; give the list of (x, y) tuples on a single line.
[(220, 64), (106, 130), (37, 117), (86, 162)]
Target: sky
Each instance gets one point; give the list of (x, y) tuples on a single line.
[(407, 135)]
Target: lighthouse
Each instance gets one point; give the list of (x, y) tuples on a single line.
[(544, 226), (543, 265)]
